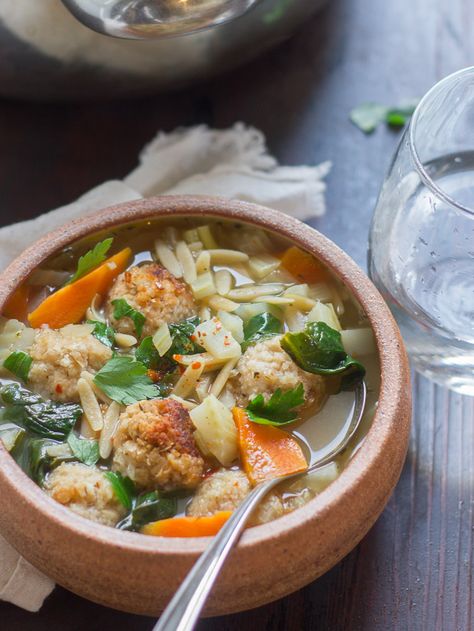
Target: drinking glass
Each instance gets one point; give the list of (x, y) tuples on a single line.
[(421, 248)]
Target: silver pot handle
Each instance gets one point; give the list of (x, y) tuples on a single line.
[(154, 19)]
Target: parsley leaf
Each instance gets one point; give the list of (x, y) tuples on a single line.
[(87, 451), (123, 310), (103, 332), (19, 363), (124, 488), (91, 259), (278, 410), (125, 380)]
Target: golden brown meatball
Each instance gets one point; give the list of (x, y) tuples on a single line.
[(59, 357), (227, 488), (154, 292), (86, 491), (265, 367), (155, 447)]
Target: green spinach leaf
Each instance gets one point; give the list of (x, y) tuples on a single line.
[(123, 487), (260, 327), (47, 419), (279, 409), (19, 364), (319, 350), (123, 310), (91, 259), (147, 508)]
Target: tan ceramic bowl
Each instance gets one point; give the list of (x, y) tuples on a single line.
[(139, 574)]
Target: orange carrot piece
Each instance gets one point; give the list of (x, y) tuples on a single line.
[(69, 304), (303, 265), (17, 305), (266, 451), (188, 526)]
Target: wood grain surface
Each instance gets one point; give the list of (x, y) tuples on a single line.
[(414, 569)]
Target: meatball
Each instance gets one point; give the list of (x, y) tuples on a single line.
[(227, 488), (154, 292), (59, 357), (154, 446), (86, 491), (265, 367)]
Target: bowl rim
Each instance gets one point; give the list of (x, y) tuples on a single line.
[(394, 392)]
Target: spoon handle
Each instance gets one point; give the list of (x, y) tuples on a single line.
[(184, 608)]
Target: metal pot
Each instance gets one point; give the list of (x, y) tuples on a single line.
[(45, 53)]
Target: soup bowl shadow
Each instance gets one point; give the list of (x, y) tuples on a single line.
[(139, 574)]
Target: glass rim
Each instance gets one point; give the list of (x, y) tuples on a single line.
[(426, 178)]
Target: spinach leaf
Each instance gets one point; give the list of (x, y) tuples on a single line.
[(103, 332), (147, 508), (123, 310), (86, 451), (259, 328), (37, 461), (47, 419), (123, 487), (319, 350), (147, 354), (19, 363), (125, 380), (278, 410), (91, 259)]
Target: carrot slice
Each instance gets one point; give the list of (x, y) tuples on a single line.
[(69, 304), (266, 451), (17, 305), (303, 265), (188, 526)]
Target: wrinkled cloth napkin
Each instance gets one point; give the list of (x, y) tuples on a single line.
[(232, 163)]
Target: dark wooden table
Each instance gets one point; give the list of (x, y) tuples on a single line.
[(413, 571)]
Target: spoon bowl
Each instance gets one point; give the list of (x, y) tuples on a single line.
[(154, 19)]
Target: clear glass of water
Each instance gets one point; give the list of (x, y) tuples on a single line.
[(421, 250)]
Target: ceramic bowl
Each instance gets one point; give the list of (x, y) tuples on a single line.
[(135, 573)]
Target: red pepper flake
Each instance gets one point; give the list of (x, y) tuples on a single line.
[(59, 388), (196, 365), (154, 375)]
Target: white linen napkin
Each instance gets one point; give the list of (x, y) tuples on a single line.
[(231, 163)]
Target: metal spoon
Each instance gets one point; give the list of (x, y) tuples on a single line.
[(184, 608), (152, 19)]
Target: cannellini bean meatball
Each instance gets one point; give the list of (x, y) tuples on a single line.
[(154, 292), (154, 445), (265, 366), (59, 357), (227, 488), (86, 491)]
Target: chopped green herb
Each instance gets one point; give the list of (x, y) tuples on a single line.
[(279, 409), (19, 363), (368, 116), (260, 327), (147, 508), (91, 259), (103, 332), (123, 487), (125, 380), (47, 419), (319, 350), (86, 451), (123, 310)]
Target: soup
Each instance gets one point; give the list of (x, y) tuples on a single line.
[(153, 374)]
